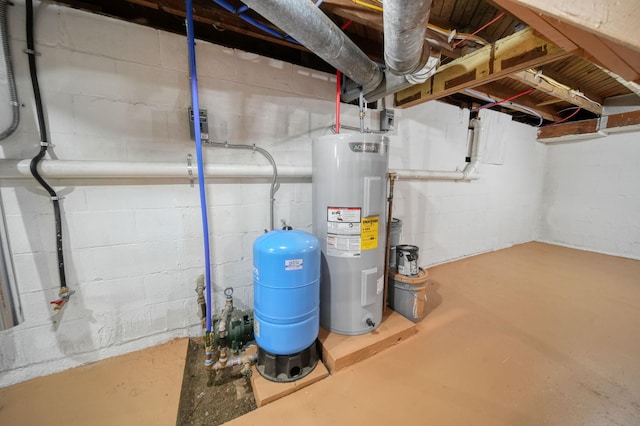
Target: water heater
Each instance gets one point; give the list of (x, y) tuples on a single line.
[(349, 199)]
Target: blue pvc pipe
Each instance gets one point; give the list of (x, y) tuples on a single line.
[(240, 12), (196, 126)]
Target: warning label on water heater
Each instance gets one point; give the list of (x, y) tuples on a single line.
[(369, 235), (343, 231)]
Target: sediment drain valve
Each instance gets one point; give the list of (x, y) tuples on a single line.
[(370, 323)]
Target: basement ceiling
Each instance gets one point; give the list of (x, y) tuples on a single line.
[(539, 61)]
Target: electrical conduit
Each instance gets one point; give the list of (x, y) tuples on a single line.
[(201, 184), (274, 181), (11, 79)]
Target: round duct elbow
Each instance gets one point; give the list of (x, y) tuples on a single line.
[(432, 47)]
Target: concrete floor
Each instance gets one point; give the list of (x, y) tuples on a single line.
[(139, 388), (531, 335), (535, 334)]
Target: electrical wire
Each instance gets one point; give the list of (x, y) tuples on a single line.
[(556, 83), (368, 5), (510, 98), (511, 105), (457, 36), (566, 118), (338, 83), (11, 78), (479, 29), (44, 143)]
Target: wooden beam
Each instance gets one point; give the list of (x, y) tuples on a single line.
[(596, 51), (573, 130), (604, 32), (539, 25), (572, 81), (596, 127), (514, 53), (616, 21), (497, 91), (622, 121), (347, 9), (530, 79)]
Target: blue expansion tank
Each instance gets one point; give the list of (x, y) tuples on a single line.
[(286, 291)]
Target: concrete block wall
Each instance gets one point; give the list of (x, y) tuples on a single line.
[(591, 197), (118, 91), (450, 220)]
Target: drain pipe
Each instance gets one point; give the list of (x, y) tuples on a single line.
[(469, 173), (471, 170), (306, 23), (74, 169)]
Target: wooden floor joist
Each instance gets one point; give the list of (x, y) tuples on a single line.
[(514, 53), (603, 32), (586, 129), (567, 95)]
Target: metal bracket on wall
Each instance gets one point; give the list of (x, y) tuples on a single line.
[(190, 169)]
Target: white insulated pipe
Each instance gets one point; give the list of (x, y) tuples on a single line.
[(63, 169), (68, 169), (409, 174)]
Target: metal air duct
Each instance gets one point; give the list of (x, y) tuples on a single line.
[(303, 21), (405, 25)]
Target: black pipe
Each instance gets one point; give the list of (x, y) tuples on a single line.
[(44, 142)]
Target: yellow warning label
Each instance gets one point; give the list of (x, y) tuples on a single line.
[(369, 233)]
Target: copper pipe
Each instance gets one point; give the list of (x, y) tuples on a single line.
[(392, 179)]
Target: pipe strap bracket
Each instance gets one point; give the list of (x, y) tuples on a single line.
[(190, 169)]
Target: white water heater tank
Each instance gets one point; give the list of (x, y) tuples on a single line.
[(349, 200)]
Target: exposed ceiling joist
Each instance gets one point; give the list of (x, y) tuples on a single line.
[(603, 32), (561, 93), (347, 9), (587, 129), (499, 92), (475, 70), (616, 21), (514, 53)]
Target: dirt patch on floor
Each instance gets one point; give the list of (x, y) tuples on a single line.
[(208, 399)]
